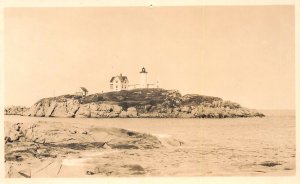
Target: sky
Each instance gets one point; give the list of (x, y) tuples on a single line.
[(244, 54)]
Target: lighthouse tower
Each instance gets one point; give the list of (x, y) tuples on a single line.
[(143, 78)]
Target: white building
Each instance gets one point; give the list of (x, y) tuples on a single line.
[(82, 92), (143, 78), (118, 83)]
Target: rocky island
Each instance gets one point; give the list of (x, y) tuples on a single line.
[(136, 103)]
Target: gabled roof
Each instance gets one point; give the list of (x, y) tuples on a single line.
[(84, 89), (121, 77)]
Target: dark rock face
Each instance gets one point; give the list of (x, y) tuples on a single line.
[(139, 103)]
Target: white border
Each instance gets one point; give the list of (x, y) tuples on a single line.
[(89, 3), (79, 3)]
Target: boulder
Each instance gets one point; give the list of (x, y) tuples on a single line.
[(105, 107), (117, 109), (132, 112), (123, 114)]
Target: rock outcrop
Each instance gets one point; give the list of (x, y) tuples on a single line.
[(15, 110), (139, 103), (54, 135), (40, 142)]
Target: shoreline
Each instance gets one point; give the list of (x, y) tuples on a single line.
[(189, 147), (144, 103)]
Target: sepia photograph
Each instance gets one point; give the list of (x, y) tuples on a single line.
[(149, 91)]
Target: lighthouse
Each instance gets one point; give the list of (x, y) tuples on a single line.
[(143, 78)]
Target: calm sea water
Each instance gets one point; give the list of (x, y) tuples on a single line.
[(235, 146), (182, 128)]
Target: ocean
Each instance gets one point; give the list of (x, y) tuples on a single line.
[(208, 147)]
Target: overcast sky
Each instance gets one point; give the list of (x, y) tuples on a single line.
[(242, 54)]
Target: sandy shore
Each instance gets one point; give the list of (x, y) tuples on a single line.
[(150, 147)]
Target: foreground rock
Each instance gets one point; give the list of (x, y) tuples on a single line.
[(39, 149), (139, 103), (53, 135), (37, 142)]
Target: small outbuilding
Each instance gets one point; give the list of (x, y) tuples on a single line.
[(83, 92)]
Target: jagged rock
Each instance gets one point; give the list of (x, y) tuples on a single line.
[(84, 111), (72, 107), (33, 110), (40, 112), (94, 110), (50, 109), (60, 110)]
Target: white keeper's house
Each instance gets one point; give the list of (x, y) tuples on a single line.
[(118, 83)]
